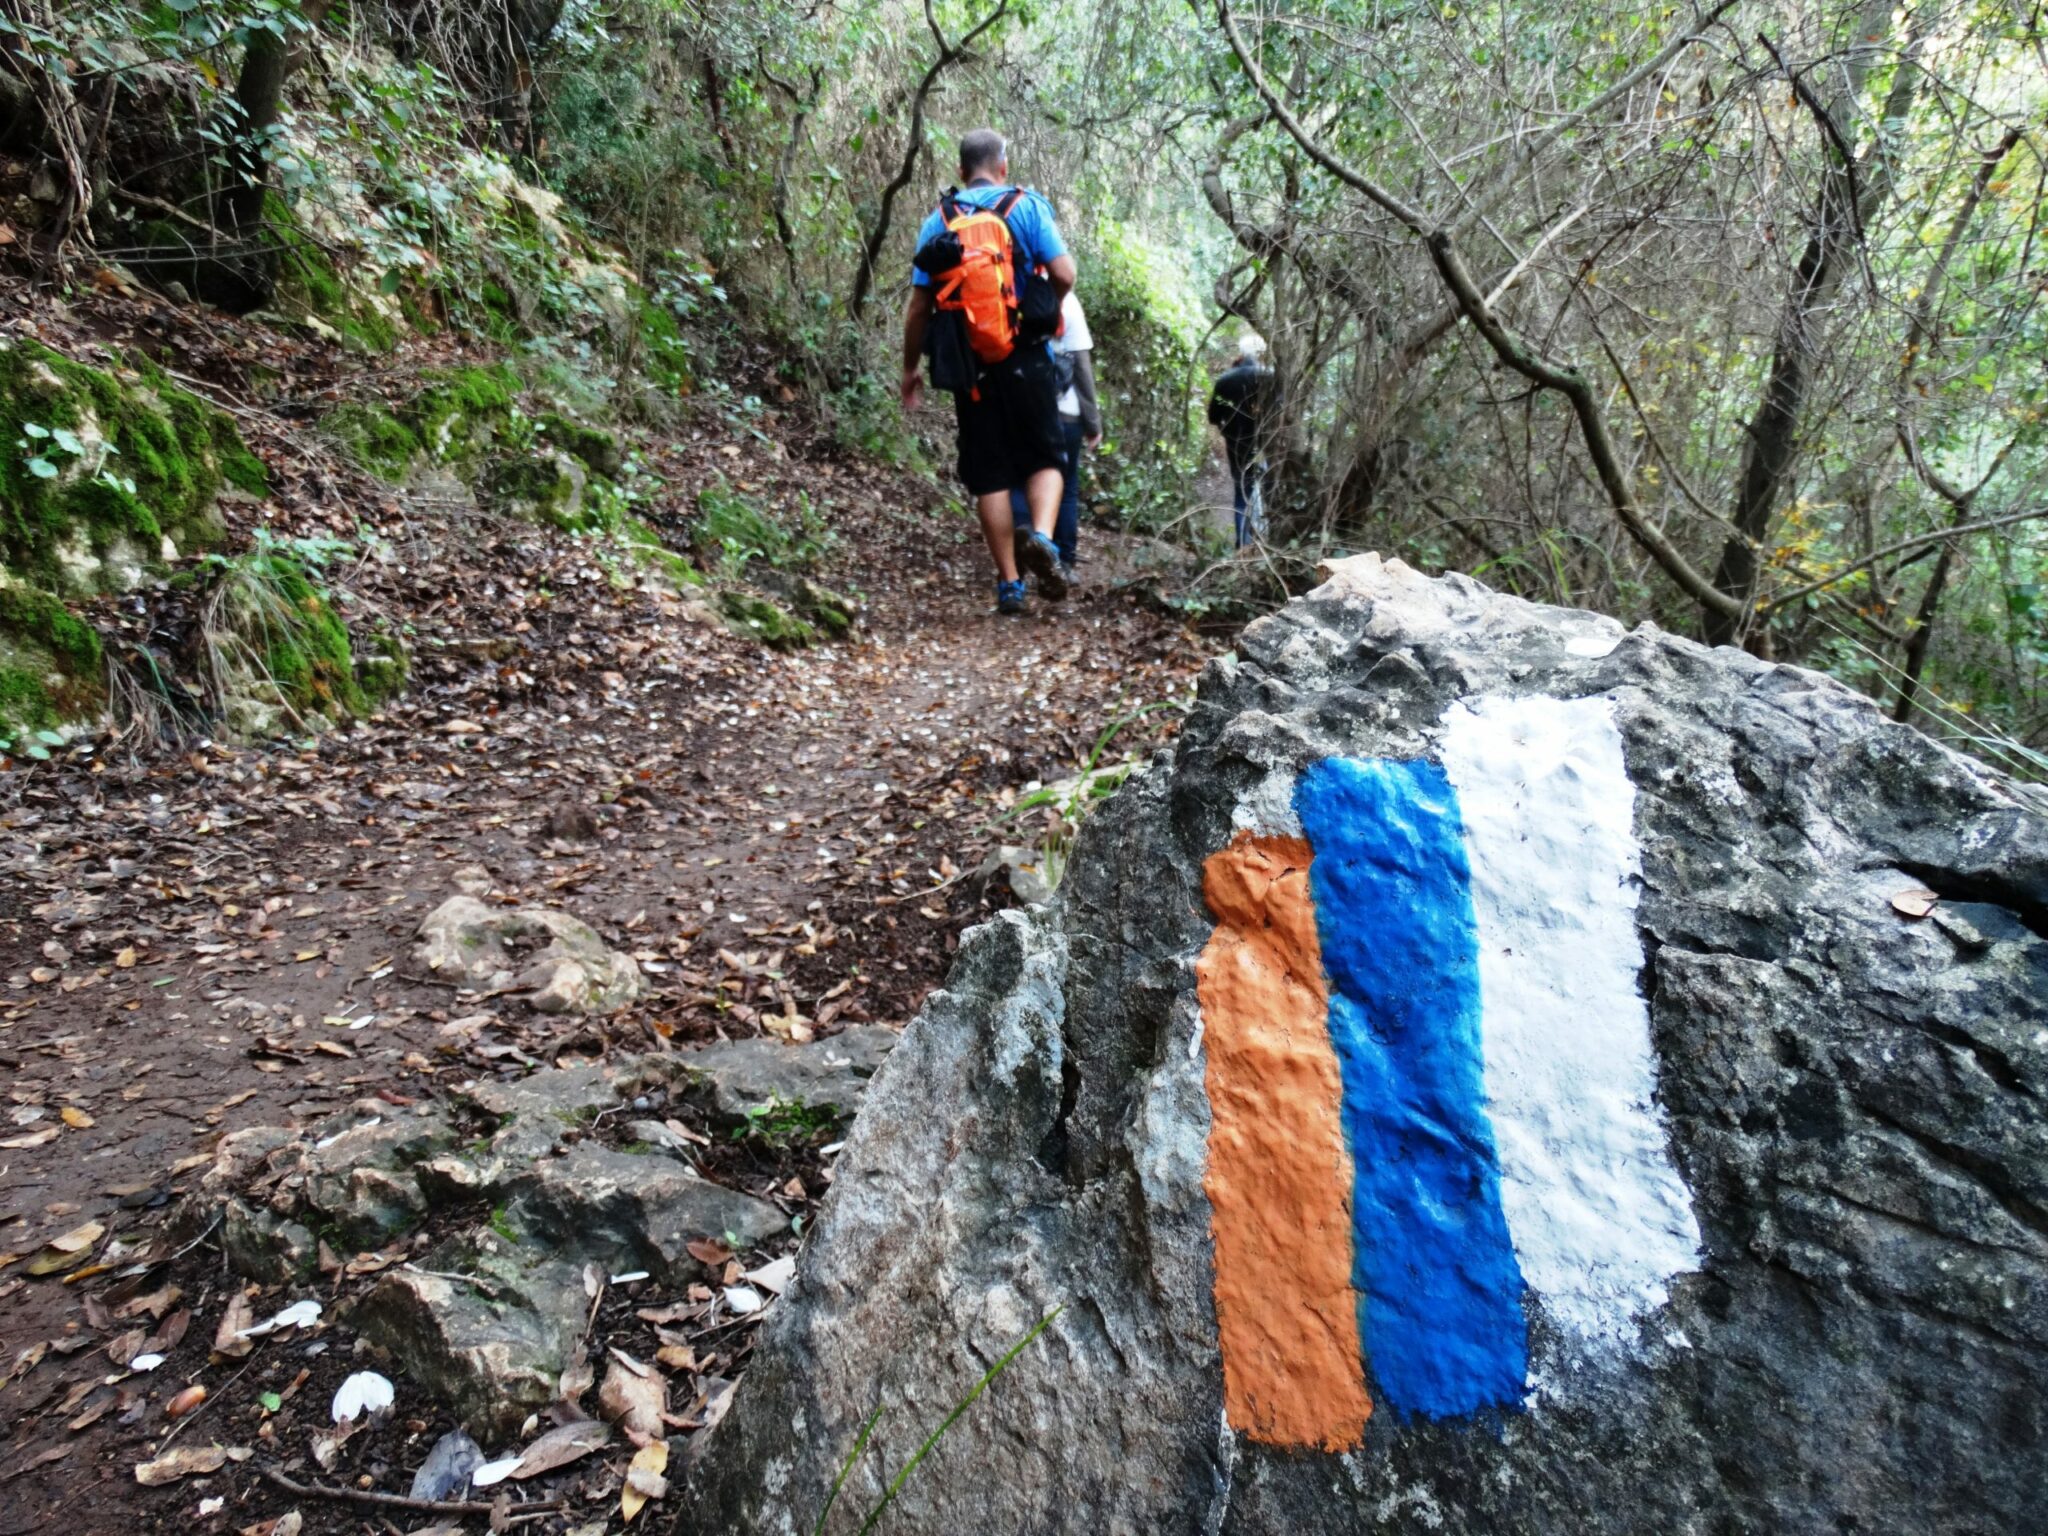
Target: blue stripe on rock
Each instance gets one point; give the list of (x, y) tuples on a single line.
[(1440, 1291)]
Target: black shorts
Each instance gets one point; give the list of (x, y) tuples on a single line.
[(1013, 430)]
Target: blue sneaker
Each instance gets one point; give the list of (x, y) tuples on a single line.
[(1039, 556), (1009, 597)]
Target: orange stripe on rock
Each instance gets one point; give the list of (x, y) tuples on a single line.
[(1279, 1176)]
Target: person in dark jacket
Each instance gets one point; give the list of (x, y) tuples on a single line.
[(1244, 407), (1081, 421)]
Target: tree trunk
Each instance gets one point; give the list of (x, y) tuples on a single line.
[(1845, 208)]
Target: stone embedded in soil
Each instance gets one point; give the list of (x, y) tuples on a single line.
[(829, 1075), (636, 1211), (493, 1345), (486, 1318), (557, 959)]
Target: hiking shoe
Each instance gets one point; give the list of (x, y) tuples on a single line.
[(1009, 597), (1039, 556)]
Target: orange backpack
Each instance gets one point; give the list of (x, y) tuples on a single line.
[(982, 285)]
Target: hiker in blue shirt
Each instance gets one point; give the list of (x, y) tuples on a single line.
[(1009, 419)]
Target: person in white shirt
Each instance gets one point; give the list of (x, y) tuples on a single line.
[(1080, 419)]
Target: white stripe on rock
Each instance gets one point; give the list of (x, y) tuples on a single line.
[(1600, 1218)]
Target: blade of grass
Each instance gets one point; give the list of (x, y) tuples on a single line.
[(959, 1408), (846, 1467)]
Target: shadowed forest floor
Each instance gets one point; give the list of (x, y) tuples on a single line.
[(196, 937)]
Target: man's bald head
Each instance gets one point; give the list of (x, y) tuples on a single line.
[(983, 153)]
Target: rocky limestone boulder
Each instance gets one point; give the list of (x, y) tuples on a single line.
[(1488, 1077), (557, 959)]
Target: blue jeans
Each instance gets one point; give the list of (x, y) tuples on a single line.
[(1247, 471), (1066, 532)]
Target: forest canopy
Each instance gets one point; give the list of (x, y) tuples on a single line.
[(1724, 315)]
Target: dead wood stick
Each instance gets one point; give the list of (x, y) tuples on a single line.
[(395, 1500)]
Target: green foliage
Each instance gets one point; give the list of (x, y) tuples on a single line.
[(895, 1487), (1146, 327), (275, 637), (783, 1123), (1064, 804), (733, 529)]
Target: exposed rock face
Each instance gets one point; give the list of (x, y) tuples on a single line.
[(556, 958), (1550, 978)]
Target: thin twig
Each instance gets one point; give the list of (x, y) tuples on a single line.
[(393, 1500), (205, 1403)]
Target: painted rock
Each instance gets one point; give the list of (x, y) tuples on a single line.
[(1480, 1080)]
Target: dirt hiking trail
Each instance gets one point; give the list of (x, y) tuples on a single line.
[(199, 938)]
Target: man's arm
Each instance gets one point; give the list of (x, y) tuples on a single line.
[(1084, 390), (1062, 271), (917, 317)]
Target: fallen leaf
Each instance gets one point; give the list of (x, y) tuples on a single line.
[(68, 1251), (559, 1447), (363, 1395), (709, 1252), (633, 1397), (79, 1239), (156, 1303), (44, 1137), (677, 1357), (145, 1362), (578, 1377), (1914, 901), (776, 1276), (171, 1334), (300, 1314), (76, 1118), (104, 1398), (744, 1300), (230, 1339), (185, 1461), (644, 1481), (125, 1347)]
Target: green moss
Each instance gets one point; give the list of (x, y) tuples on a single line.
[(748, 614), (647, 545), (305, 656), (50, 662), (598, 449), (382, 673), (459, 410), (823, 607), (374, 438), (541, 488), (177, 450), (37, 616), (25, 702), (309, 284)]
